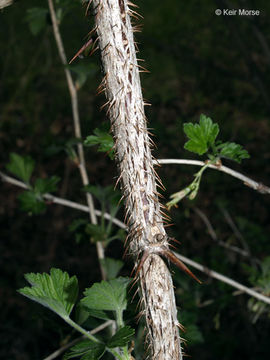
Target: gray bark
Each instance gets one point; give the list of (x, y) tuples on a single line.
[(147, 238)]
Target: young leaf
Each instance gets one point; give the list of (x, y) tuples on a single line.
[(96, 232), (201, 136), (103, 139), (36, 18), (56, 291), (121, 338), (99, 314), (112, 267), (83, 71), (107, 295), (77, 224), (43, 186), (31, 203), (233, 151), (21, 166), (89, 350)]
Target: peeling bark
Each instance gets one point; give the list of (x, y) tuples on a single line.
[(147, 238)]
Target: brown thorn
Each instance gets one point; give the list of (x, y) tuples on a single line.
[(174, 240), (172, 246), (168, 225), (170, 256), (181, 327), (88, 43), (141, 263), (89, 3), (133, 284)]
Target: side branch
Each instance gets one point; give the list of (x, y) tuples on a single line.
[(263, 189), (224, 279), (77, 206)]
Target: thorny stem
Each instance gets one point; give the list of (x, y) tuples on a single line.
[(77, 128), (138, 180), (209, 272)]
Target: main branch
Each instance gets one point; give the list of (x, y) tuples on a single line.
[(147, 237)]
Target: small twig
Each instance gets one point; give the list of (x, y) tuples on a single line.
[(263, 189), (119, 223), (62, 349), (234, 228), (77, 128), (224, 279), (237, 234), (213, 235), (60, 201)]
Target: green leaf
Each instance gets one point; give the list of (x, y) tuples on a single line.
[(43, 186), (83, 70), (89, 350), (233, 151), (31, 203), (21, 166), (107, 295), (56, 291), (36, 18), (201, 136), (112, 267), (121, 337), (103, 139), (99, 314), (77, 224), (193, 333), (105, 194), (96, 232)]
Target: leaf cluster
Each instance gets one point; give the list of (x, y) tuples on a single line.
[(202, 139), (31, 200), (58, 292), (104, 141)]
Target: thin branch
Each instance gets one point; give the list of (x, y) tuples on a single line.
[(62, 349), (224, 279), (263, 189), (60, 201), (213, 235), (77, 127), (119, 223), (234, 228)]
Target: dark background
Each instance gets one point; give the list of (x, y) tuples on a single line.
[(199, 63)]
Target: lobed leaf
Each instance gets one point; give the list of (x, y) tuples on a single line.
[(121, 337), (31, 203), (21, 166), (103, 139), (43, 186), (89, 350), (56, 291), (36, 18), (112, 267), (201, 136), (107, 295), (233, 151)]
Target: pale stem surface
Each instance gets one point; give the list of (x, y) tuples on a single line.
[(138, 181)]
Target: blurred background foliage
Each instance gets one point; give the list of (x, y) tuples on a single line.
[(199, 63)]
